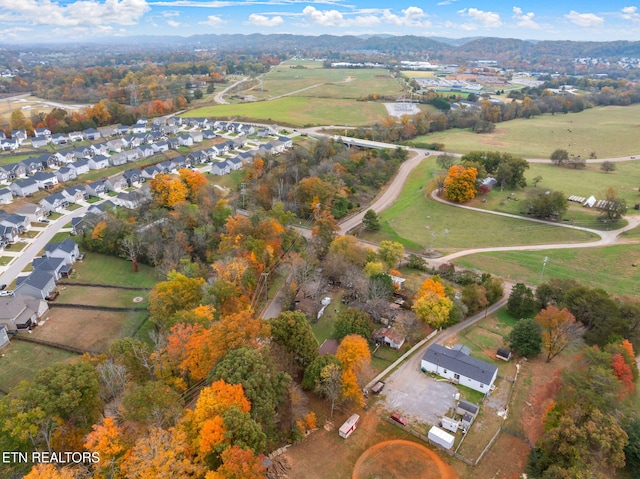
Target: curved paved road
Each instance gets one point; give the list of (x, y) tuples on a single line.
[(219, 97)]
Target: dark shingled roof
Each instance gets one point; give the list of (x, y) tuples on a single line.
[(460, 363)]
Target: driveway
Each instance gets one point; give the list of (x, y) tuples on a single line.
[(418, 397)]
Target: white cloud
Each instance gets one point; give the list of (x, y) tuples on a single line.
[(213, 21), (631, 13), (170, 13), (411, 17), (262, 21), (81, 13), (445, 2), (480, 18), (173, 23), (525, 20), (326, 18), (584, 19)]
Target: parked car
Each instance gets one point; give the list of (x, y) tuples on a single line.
[(7, 292), (399, 419), (2, 286), (377, 387), (45, 221)]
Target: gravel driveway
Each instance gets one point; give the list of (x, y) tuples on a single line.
[(417, 396)]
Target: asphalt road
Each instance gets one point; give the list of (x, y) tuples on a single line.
[(31, 251)]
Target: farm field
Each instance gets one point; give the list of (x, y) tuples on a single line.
[(419, 223), (298, 111), (610, 267), (610, 131), (14, 368), (333, 83), (28, 104)]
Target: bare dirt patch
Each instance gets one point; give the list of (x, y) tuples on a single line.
[(324, 454), (92, 330), (401, 458), (505, 460)]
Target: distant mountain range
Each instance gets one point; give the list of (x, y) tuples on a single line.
[(438, 48)]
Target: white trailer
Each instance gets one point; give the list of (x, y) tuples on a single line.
[(441, 437), (349, 426)]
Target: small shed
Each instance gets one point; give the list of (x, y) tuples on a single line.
[(503, 354), (441, 438), (466, 407), (450, 424)]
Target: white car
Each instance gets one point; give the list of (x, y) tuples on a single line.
[(6, 293)]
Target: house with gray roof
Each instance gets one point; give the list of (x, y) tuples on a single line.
[(67, 249), (98, 162), (15, 220), (459, 367), (54, 203), (59, 139), (21, 313), (6, 196), (55, 266), (39, 141), (26, 187), (95, 188), (220, 168), (81, 167), (66, 174), (44, 179), (74, 194), (38, 285), (91, 134), (33, 211)]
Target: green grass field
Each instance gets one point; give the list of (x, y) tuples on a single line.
[(102, 269), (610, 268), (334, 83), (608, 131), (298, 111), (21, 361), (590, 181), (419, 222)]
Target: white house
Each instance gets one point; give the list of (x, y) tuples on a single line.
[(6, 196), (456, 365), (24, 187)]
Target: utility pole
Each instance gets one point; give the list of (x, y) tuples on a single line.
[(266, 286), (544, 263)]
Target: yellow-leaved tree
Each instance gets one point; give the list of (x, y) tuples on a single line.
[(354, 355), (460, 183)]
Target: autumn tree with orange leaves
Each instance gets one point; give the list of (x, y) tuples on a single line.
[(106, 439), (238, 463), (354, 355), (194, 181), (460, 184), (173, 296), (559, 329), (168, 190)]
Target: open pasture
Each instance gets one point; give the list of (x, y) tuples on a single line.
[(610, 268), (32, 104), (298, 111), (420, 222), (326, 82), (590, 181), (611, 131), (102, 269)]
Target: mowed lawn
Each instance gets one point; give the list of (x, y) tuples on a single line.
[(102, 269), (419, 222), (300, 111), (610, 131), (611, 267), (21, 361)]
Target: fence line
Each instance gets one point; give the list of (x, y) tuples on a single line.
[(50, 344), (94, 285), (97, 308)]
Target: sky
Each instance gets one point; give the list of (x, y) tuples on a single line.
[(47, 20)]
